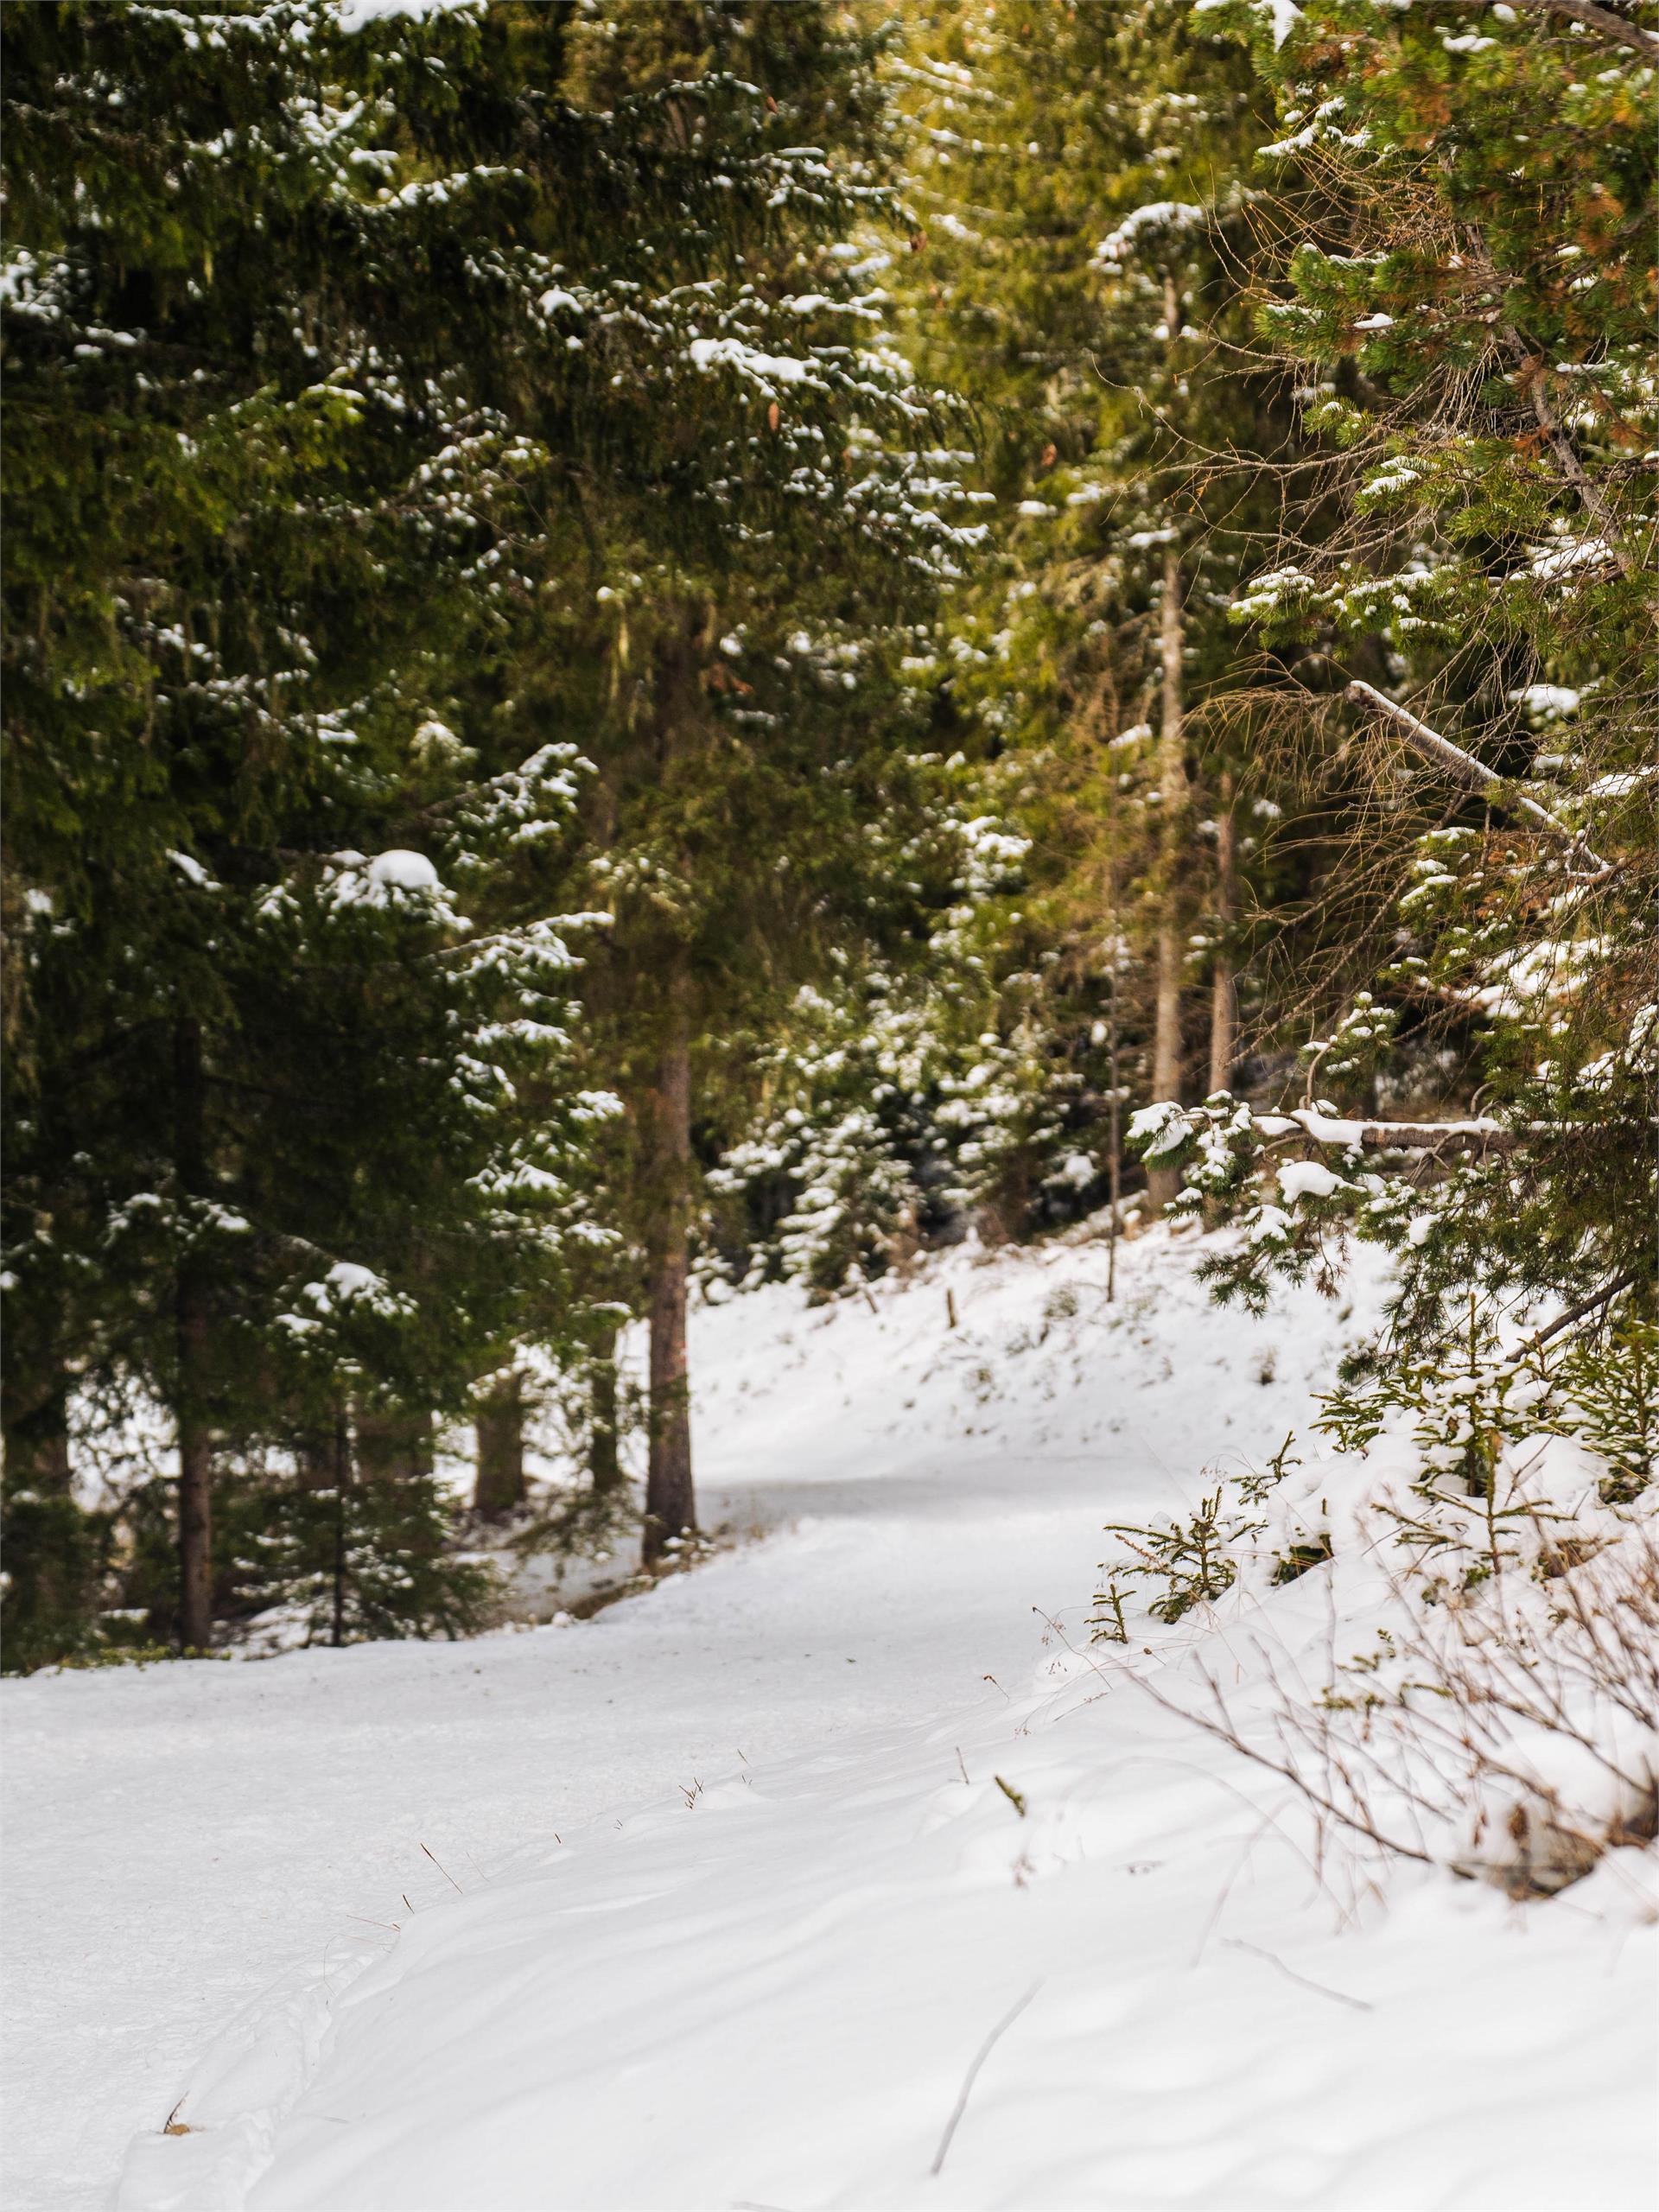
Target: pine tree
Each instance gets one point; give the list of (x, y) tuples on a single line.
[(357, 371)]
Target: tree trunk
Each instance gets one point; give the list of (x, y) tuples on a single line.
[(604, 1452), (191, 1325), (393, 1445), (499, 1484), (1113, 1120), (1223, 990), (1163, 1183), (342, 1455), (670, 1507)]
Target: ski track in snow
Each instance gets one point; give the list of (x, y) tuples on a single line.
[(779, 1925)]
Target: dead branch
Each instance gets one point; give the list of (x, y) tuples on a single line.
[(1473, 774), (1603, 23)]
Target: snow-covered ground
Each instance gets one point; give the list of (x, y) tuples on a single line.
[(730, 1887)]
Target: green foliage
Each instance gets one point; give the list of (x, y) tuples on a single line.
[(1191, 1562), (513, 572), (58, 1557), (1092, 253), (1194, 1561), (1607, 1397), (466, 517), (374, 1559)]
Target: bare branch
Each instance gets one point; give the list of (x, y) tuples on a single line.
[(1473, 774), (1604, 1296), (1603, 23)]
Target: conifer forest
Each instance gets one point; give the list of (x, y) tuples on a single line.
[(831, 1105)]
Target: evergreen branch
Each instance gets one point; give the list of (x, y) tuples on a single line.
[(1473, 774)]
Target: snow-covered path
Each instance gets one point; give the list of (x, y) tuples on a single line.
[(788, 1897), (177, 1839)]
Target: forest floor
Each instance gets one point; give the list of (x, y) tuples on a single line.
[(716, 1898)]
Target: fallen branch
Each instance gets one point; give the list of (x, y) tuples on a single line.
[(1474, 775)]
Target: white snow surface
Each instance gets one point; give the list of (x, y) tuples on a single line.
[(726, 1896)]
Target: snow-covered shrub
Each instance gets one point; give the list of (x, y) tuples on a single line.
[(1509, 1733), (1494, 1708), (386, 1551), (376, 1558), (1608, 1395)]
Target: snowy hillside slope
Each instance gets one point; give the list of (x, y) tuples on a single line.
[(752, 1867)]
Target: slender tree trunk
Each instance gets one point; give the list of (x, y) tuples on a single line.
[(1113, 1051), (342, 1456), (191, 1324), (670, 1507), (1114, 1126), (499, 1484), (1223, 990), (1163, 1183), (604, 1443)]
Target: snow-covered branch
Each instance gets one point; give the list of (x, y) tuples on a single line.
[(1480, 1135), (1604, 23)]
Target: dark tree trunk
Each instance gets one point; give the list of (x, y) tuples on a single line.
[(604, 1443), (670, 1507), (192, 1325), (1163, 1183), (500, 1483), (1224, 993), (342, 1460)]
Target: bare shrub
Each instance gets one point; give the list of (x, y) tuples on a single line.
[(1508, 1732)]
